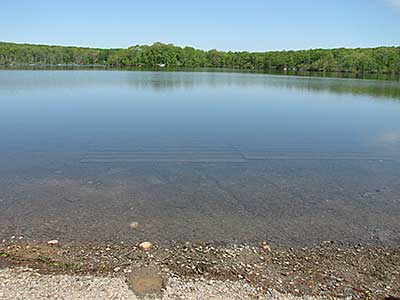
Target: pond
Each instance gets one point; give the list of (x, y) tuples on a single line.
[(227, 157)]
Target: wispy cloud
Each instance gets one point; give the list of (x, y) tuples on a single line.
[(394, 3), (389, 138)]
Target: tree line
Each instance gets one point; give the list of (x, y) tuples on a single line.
[(380, 60)]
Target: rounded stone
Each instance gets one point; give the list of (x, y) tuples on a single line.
[(145, 281), (145, 246), (52, 242), (266, 247), (134, 225)]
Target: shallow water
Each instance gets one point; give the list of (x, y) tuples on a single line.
[(227, 157)]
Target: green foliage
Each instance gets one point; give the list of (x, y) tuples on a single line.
[(57, 264), (370, 60), (65, 266)]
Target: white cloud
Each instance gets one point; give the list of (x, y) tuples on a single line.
[(394, 3), (390, 138)]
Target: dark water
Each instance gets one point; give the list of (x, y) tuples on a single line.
[(198, 156)]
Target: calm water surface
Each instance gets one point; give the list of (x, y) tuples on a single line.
[(198, 156)]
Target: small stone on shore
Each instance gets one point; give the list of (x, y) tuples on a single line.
[(134, 225), (52, 242), (266, 247), (145, 246)]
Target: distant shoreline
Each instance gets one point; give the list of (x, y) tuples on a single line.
[(380, 60), (343, 75)]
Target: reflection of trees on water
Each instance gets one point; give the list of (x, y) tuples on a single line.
[(375, 88), (159, 81)]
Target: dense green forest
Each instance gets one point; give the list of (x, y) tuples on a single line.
[(368, 60)]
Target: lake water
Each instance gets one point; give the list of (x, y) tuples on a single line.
[(225, 157)]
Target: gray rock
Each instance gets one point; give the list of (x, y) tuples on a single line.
[(145, 282)]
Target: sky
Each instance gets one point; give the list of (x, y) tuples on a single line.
[(252, 25)]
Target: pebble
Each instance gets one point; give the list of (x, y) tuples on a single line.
[(52, 242), (134, 225), (266, 247), (145, 246)]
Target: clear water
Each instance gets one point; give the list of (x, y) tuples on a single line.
[(214, 156)]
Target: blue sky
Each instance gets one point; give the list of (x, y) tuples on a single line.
[(253, 25)]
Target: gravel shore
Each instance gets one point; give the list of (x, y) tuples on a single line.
[(331, 270), (23, 283)]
